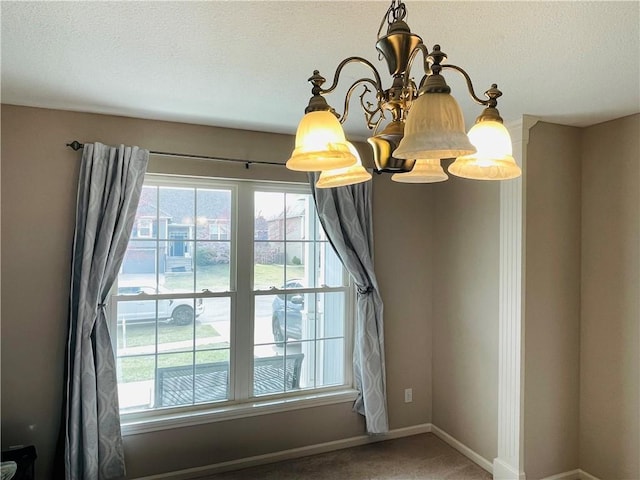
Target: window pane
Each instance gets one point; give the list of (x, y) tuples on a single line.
[(324, 363), (213, 356), (136, 312), (268, 267), (135, 338), (213, 216), (176, 270), (177, 220), (266, 319), (276, 374), (329, 362), (213, 326), (146, 222), (279, 318), (174, 383), (212, 376), (301, 320), (136, 382), (319, 231), (329, 314), (177, 212), (213, 266), (297, 226), (138, 270), (299, 263), (329, 271), (269, 216), (177, 334)]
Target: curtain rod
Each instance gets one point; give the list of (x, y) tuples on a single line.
[(76, 145)]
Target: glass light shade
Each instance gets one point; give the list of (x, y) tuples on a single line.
[(320, 144), (434, 129), (424, 171), (344, 176), (493, 160)]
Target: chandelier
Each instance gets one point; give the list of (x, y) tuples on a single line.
[(414, 126)]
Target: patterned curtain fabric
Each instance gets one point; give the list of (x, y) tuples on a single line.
[(345, 214), (108, 193)]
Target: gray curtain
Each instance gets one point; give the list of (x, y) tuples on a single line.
[(345, 214), (108, 193)]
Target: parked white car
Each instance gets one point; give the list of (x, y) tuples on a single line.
[(179, 310)]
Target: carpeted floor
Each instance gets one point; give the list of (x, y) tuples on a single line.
[(418, 457)]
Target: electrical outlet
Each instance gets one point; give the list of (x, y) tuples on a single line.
[(408, 395)]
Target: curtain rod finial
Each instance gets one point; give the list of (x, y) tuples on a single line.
[(75, 145)]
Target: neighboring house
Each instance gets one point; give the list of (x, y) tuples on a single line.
[(289, 225), (175, 223)]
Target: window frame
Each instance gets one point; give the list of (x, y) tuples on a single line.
[(220, 233), (146, 225), (242, 297)]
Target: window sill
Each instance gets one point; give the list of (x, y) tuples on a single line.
[(169, 420)]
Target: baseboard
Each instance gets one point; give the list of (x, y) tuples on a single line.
[(504, 471), (587, 476), (571, 475), (198, 472), (463, 449), (576, 474)]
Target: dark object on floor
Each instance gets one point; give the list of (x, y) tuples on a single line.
[(25, 457)]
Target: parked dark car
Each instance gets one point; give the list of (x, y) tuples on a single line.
[(287, 306)]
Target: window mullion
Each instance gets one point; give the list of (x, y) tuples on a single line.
[(242, 343)]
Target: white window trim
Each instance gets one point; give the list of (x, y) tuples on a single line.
[(148, 226), (219, 231), (166, 418)]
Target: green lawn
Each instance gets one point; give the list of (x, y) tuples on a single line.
[(266, 276), (216, 277), (139, 369), (145, 334)]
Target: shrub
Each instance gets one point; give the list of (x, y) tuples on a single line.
[(212, 254)]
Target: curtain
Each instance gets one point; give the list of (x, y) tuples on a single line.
[(108, 193), (345, 214)]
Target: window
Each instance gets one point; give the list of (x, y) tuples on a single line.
[(235, 297), (144, 228), (219, 229)]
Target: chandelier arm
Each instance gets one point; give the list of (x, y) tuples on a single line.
[(376, 125), (425, 62), (469, 84), (347, 99), (377, 83)]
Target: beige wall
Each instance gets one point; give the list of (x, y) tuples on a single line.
[(437, 260), (609, 333), (582, 310), (465, 316), (39, 179), (404, 244), (552, 300)]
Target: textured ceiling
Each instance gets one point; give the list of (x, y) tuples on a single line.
[(245, 64)]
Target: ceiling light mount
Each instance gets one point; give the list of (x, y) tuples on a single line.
[(410, 122)]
